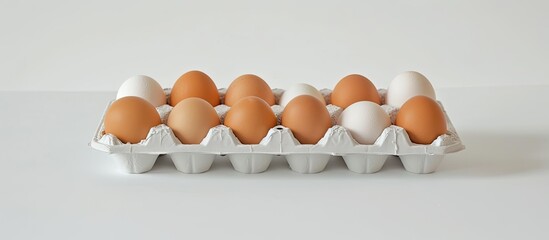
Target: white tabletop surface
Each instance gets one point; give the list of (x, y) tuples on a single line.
[(54, 186)]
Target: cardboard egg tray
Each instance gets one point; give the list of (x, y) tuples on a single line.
[(256, 158)]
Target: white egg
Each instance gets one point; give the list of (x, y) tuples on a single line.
[(144, 87), (407, 85), (365, 121), (300, 89)]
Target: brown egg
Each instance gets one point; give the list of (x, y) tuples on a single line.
[(130, 119), (354, 88), (249, 85), (194, 84), (308, 119), (191, 119), (422, 118), (250, 119)]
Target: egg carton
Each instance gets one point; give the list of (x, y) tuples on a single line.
[(279, 141)]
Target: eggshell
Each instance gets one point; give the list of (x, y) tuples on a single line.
[(249, 85), (194, 84), (365, 120), (354, 88), (299, 89), (191, 119), (250, 119), (422, 118), (308, 119), (407, 85), (130, 119), (144, 87)]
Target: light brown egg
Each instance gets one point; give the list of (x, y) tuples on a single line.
[(130, 119), (191, 119), (194, 84), (354, 88), (250, 119), (422, 118), (249, 85), (308, 119)]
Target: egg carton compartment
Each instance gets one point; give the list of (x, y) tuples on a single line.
[(256, 158)]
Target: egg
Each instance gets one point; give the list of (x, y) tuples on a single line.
[(191, 119), (194, 84), (248, 85), (144, 87), (130, 119), (365, 121), (407, 85), (422, 118), (354, 88), (299, 89), (308, 119), (250, 119)]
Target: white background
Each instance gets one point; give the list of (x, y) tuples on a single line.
[(488, 61), (96, 45)]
